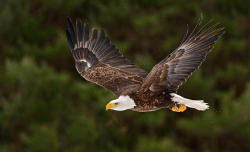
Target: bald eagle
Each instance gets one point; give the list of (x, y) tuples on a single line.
[(99, 61)]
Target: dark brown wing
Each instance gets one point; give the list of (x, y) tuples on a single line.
[(172, 71), (100, 62)]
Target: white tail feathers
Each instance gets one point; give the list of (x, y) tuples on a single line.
[(196, 104)]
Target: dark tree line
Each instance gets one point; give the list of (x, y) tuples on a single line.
[(46, 106)]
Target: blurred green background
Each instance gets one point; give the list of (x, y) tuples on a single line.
[(45, 105)]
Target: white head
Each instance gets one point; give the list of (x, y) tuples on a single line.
[(121, 104)]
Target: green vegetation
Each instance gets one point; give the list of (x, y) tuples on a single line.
[(45, 106)]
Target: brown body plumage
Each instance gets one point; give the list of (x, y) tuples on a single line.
[(100, 62), (148, 101)]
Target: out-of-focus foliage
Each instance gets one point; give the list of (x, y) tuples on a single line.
[(46, 106)]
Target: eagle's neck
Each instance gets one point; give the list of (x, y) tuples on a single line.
[(125, 102)]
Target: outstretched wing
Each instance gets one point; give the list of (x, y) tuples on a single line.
[(172, 71), (100, 62)]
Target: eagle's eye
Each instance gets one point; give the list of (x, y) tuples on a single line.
[(116, 103)]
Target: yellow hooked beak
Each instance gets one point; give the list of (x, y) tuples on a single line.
[(110, 106)]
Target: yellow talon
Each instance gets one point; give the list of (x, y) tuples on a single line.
[(179, 108)]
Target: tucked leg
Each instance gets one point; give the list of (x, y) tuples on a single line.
[(179, 108)]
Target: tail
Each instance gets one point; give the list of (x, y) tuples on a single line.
[(196, 104)]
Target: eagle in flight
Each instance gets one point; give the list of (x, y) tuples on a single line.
[(99, 61)]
